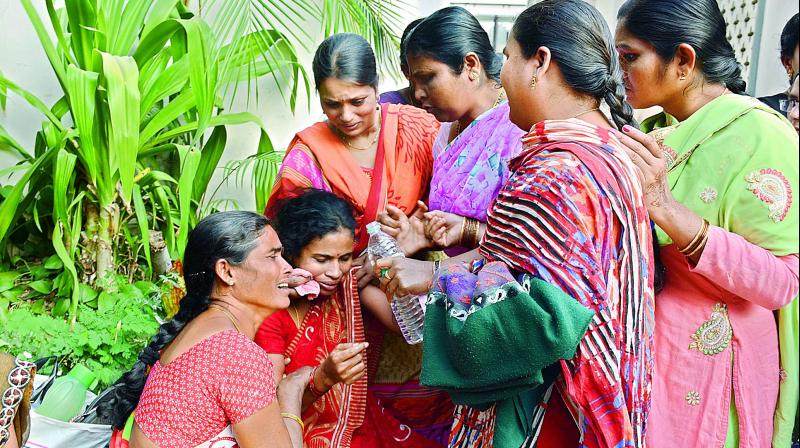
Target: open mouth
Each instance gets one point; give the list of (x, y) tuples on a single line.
[(283, 286)]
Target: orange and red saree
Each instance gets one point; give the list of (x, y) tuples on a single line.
[(316, 158)]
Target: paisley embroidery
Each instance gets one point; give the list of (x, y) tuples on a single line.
[(772, 188), (714, 335), (708, 195), (693, 398)]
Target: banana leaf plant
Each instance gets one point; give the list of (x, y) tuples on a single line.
[(132, 144), (126, 155)]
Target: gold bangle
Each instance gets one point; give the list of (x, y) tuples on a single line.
[(472, 234), (463, 231), (296, 419), (692, 246), (701, 244)]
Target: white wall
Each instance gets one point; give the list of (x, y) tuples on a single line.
[(24, 62), (771, 76)]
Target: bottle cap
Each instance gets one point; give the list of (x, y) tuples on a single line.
[(83, 375), (373, 227)]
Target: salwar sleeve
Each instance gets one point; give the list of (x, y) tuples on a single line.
[(501, 344), (747, 270)]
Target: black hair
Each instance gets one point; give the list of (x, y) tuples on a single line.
[(313, 214), (448, 35), (406, 32), (227, 235), (580, 43), (665, 24), (789, 37), (345, 56)]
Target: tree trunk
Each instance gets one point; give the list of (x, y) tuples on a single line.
[(106, 235)]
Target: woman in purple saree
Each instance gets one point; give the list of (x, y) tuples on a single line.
[(455, 74)]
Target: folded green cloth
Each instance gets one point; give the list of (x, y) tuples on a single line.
[(490, 339)]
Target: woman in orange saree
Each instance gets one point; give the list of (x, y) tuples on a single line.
[(370, 155), (367, 153)]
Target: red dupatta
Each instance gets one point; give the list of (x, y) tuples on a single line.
[(347, 416)]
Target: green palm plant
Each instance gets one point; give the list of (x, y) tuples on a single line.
[(130, 148)]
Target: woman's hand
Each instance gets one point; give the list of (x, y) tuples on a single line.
[(291, 390), (364, 272), (443, 229), (298, 277), (408, 231), (651, 168), (345, 364), (404, 276)]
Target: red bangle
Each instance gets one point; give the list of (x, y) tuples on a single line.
[(311, 386)]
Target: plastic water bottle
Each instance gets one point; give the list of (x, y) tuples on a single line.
[(409, 311), (66, 397)]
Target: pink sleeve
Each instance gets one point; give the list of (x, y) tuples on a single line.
[(246, 379), (749, 271)]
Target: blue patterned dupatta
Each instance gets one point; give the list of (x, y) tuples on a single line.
[(479, 330)]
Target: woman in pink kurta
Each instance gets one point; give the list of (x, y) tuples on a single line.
[(719, 189)]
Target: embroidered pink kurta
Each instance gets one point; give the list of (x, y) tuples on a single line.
[(716, 331)]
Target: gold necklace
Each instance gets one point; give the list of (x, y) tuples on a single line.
[(346, 140), (584, 113), (227, 314)]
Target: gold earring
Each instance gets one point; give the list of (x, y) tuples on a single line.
[(473, 76), (683, 77), (534, 80)]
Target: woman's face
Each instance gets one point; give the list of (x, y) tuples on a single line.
[(350, 107), (516, 77), (437, 89), (328, 259), (261, 280), (643, 71)]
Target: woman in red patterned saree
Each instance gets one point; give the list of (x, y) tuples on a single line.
[(324, 330)]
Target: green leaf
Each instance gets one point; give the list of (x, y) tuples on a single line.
[(106, 302), (190, 161), (42, 286), (7, 279), (221, 119), (82, 22), (81, 86), (158, 13), (64, 169), (265, 171), (122, 84), (86, 294), (44, 38), (61, 251), (34, 101), (211, 154), (141, 219), (174, 109), (9, 211), (61, 307), (121, 39), (164, 84), (7, 141), (202, 70), (53, 263)]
